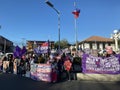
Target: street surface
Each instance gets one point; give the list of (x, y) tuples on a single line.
[(15, 82)]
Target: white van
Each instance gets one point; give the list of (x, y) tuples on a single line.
[(9, 55)]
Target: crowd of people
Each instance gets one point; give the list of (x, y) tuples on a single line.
[(61, 64)]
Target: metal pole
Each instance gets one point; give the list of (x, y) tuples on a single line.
[(76, 31), (59, 31), (116, 43), (116, 36), (4, 45), (76, 35), (58, 13)]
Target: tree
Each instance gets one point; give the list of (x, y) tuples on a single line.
[(63, 44)]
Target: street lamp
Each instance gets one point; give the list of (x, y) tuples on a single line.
[(116, 37), (58, 13)]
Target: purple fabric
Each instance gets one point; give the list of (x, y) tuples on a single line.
[(42, 49), (24, 50), (101, 65), (18, 52)]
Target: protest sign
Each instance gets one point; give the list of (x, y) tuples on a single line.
[(107, 65)]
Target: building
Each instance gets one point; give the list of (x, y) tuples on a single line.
[(96, 42), (31, 44), (5, 45), (93, 43)]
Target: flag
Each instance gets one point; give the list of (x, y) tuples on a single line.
[(23, 50), (17, 52), (76, 13)]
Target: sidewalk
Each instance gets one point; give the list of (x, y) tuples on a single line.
[(98, 77)]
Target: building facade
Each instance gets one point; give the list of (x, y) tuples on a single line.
[(5, 45), (31, 44), (93, 43), (96, 42)]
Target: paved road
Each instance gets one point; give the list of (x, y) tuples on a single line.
[(14, 82)]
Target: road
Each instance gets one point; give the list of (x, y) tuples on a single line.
[(15, 82)]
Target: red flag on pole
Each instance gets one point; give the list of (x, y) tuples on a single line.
[(76, 13)]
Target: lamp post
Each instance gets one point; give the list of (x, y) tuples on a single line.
[(58, 13), (116, 37)]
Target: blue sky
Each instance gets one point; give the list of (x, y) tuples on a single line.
[(35, 20)]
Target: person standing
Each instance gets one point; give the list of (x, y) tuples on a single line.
[(54, 71), (68, 67), (22, 66), (10, 59)]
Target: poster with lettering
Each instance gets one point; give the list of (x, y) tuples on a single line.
[(5, 66), (41, 72), (44, 48), (44, 72), (100, 65)]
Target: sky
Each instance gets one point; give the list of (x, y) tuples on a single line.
[(23, 20)]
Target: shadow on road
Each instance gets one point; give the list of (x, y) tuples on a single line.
[(15, 82)]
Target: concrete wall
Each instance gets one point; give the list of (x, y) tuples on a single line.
[(98, 77)]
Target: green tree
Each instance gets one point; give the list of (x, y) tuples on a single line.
[(63, 44)]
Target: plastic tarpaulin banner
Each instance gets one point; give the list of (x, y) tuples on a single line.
[(44, 48), (41, 72), (100, 65)]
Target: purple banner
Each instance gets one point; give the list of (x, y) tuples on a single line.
[(100, 65), (44, 48)]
